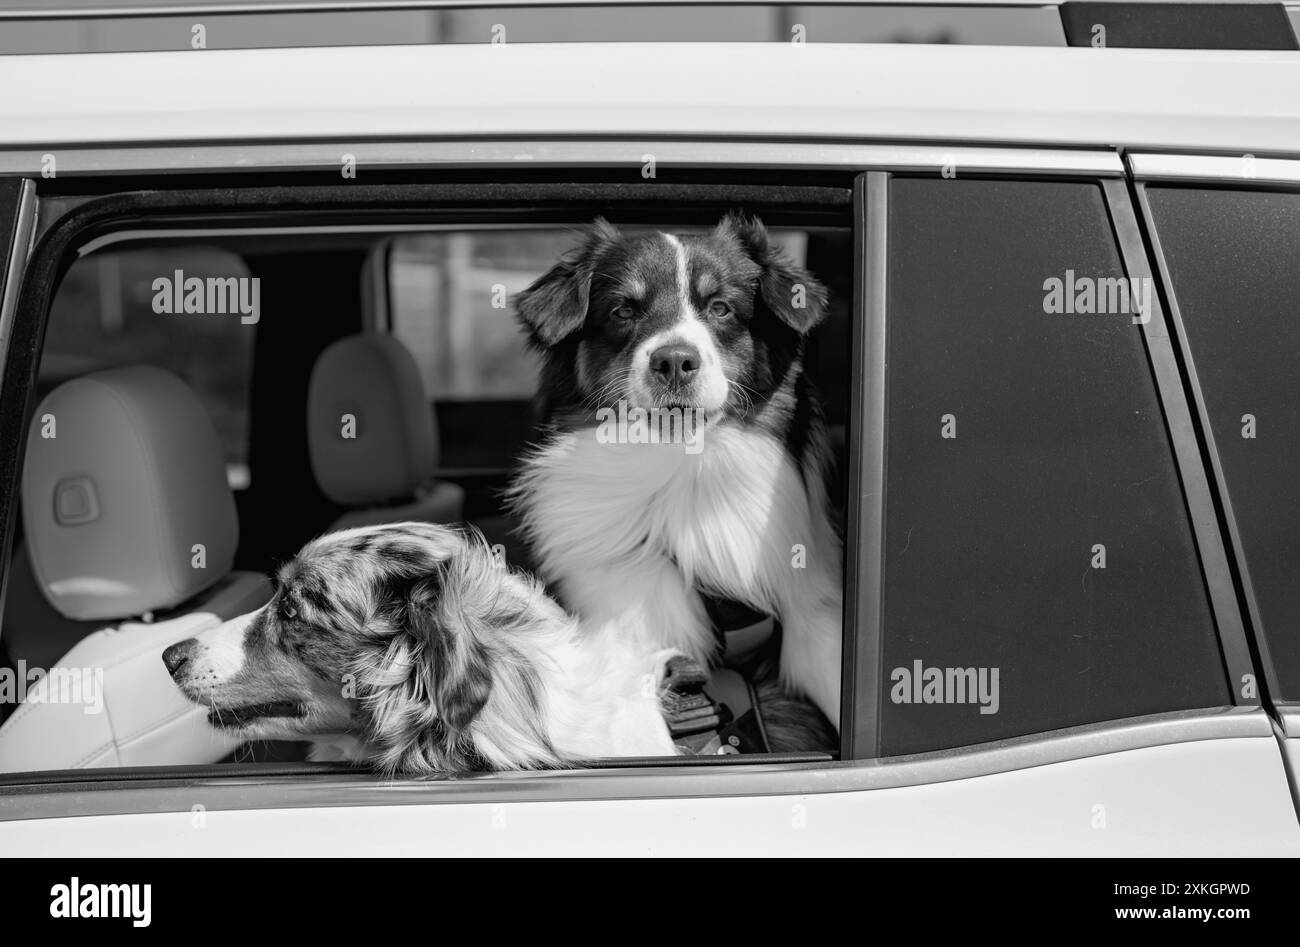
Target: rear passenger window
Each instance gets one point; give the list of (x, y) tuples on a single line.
[(1234, 262), (1040, 570), (125, 307), (449, 304)]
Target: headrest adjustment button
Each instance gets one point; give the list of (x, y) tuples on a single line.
[(75, 502)]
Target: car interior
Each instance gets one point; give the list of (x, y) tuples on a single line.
[(408, 326)]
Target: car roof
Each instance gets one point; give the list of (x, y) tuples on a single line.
[(1223, 101)]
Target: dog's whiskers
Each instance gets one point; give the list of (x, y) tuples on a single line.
[(613, 384)]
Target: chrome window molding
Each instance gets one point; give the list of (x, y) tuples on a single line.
[(1211, 550), (1288, 718), (1243, 169), (569, 153), (117, 792), (1211, 446)]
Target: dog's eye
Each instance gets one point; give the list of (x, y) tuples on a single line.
[(287, 611), (624, 312), (717, 309)]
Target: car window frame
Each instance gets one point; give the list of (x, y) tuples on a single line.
[(120, 218), (865, 448)]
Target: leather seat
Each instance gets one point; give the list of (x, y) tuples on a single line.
[(130, 532), (373, 438)]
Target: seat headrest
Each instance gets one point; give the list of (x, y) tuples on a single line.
[(124, 480), (369, 426)]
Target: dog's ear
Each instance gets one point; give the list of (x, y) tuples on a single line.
[(792, 293), (423, 683), (453, 661), (555, 306)]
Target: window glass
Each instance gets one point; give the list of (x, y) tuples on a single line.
[(1234, 261), (104, 316), (1040, 570), (451, 302)]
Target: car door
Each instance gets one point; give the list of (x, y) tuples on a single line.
[(1038, 547), (1041, 653)]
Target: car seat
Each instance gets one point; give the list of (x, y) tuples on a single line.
[(373, 438), (130, 535)]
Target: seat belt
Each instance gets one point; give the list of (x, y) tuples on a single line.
[(712, 714)]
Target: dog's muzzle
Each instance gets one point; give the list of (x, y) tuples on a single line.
[(178, 655), (675, 366), (177, 659)]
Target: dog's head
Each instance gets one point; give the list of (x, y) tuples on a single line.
[(707, 322), (400, 634)]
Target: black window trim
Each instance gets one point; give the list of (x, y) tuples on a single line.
[(17, 237)]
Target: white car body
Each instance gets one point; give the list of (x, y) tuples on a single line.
[(1209, 782)]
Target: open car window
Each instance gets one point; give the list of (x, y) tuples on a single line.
[(256, 348)]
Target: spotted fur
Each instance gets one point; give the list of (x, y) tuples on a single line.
[(430, 656)]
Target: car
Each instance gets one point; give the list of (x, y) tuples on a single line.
[(1057, 368)]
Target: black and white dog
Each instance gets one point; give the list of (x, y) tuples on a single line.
[(684, 451), (413, 648)]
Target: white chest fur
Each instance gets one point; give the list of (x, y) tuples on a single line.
[(628, 533)]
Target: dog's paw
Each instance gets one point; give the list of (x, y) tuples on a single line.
[(680, 674)]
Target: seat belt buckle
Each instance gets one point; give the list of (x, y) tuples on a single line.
[(687, 709)]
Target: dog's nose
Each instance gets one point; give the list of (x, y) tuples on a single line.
[(178, 655), (675, 364)]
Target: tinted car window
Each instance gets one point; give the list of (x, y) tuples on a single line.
[(1038, 554), (1234, 262)]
